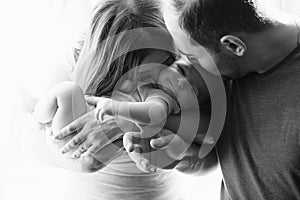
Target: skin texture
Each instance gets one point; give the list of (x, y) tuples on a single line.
[(238, 53), (184, 81)]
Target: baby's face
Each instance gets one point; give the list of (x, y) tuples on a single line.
[(183, 80)]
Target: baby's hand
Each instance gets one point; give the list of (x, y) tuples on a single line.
[(104, 107)]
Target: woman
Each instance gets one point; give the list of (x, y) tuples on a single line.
[(103, 51)]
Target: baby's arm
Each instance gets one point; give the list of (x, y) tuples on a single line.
[(64, 103), (151, 112)]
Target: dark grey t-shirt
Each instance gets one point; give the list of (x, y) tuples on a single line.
[(259, 150)]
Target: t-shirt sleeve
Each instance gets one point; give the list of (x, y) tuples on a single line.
[(173, 107)]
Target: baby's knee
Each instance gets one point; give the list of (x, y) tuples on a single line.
[(68, 92)]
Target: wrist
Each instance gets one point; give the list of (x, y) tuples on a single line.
[(114, 108), (190, 152)]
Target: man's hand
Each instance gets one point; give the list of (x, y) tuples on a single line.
[(171, 152), (166, 152)]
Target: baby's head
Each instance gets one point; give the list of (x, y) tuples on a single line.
[(183, 81)]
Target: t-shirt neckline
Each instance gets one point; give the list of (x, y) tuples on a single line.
[(283, 61)]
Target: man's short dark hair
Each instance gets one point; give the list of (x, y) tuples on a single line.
[(206, 21)]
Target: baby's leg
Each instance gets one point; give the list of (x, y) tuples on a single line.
[(70, 104), (62, 105)]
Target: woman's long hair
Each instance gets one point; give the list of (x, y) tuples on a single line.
[(108, 51)]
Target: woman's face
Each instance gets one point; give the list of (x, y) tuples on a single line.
[(156, 61)]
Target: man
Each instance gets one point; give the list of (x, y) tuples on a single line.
[(258, 49)]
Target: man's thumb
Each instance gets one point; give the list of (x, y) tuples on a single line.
[(161, 142)]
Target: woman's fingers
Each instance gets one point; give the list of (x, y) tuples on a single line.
[(93, 149), (73, 127), (75, 141), (96, 139), (81, 149), (107, 153), (97, 146)]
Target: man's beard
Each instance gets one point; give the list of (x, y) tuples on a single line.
[(228, 66)]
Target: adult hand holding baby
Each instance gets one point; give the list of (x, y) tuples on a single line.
[(92, 136), (180, 154)]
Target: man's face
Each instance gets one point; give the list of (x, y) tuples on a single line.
[(214, 62)]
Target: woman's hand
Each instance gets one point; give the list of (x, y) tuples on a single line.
[(92, 135)]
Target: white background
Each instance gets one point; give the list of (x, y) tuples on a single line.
[(33, 34)]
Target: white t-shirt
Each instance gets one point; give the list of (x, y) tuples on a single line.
[(121, 179)]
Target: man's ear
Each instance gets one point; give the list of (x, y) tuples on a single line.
[(234, 44)]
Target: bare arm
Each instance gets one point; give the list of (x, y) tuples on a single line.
[(35, 142), (46, 107), (192, 163), (151, 112), (64, 94), (185, 155)]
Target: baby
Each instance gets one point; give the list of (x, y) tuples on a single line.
[(171, 91)]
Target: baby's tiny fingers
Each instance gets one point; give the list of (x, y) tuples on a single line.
[(101, 115)]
